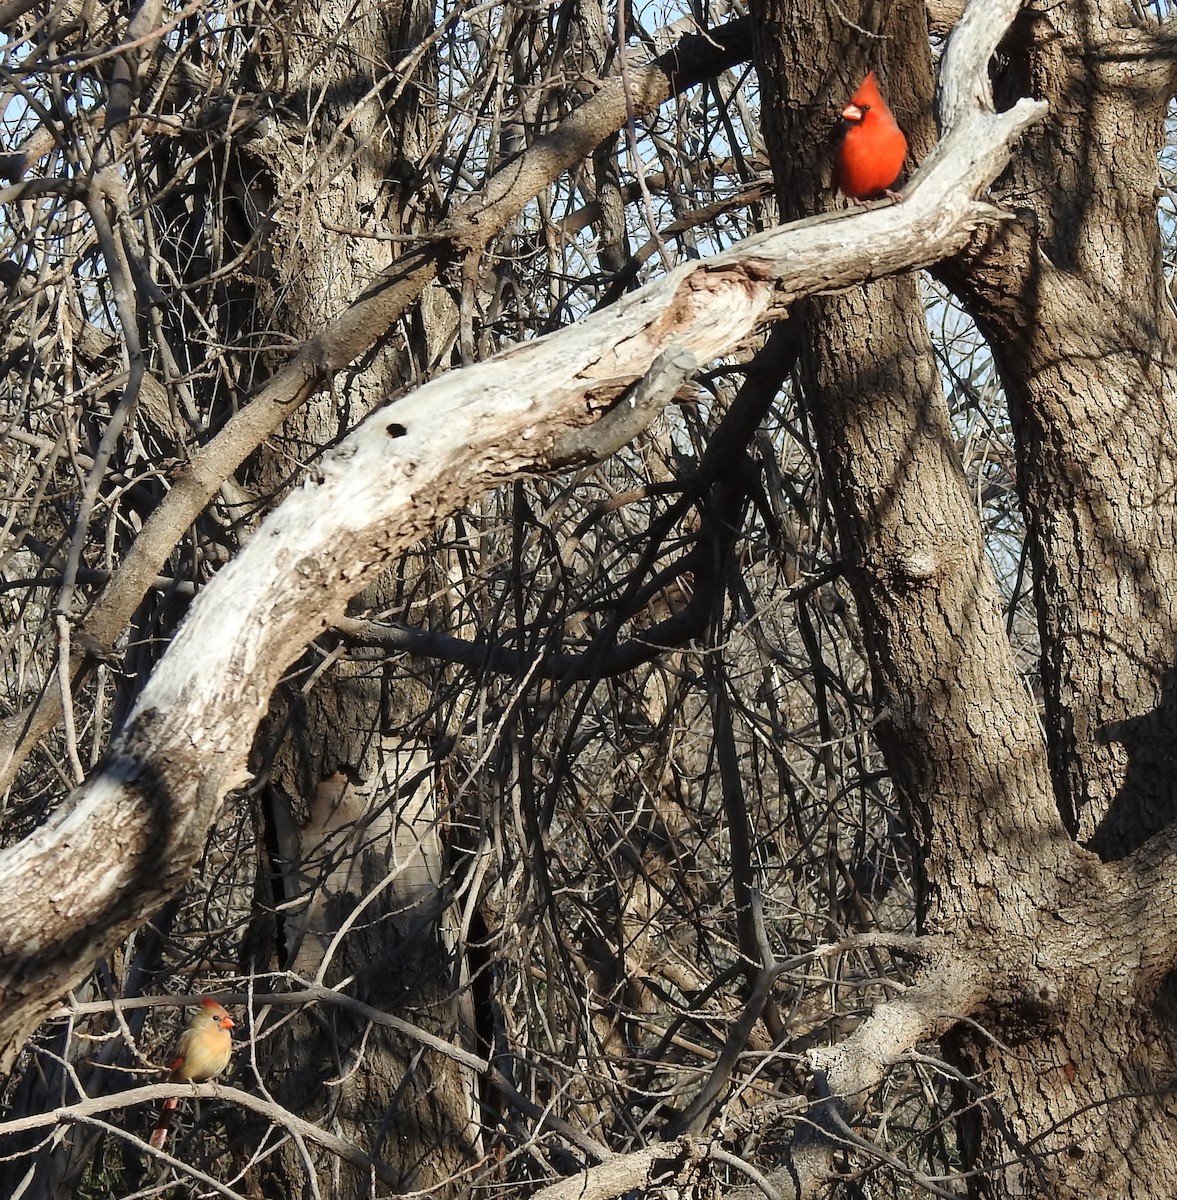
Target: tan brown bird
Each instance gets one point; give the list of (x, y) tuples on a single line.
[(202, 1053)]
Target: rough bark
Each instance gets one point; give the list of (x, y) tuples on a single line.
[(382, 489), (1081, 325), (1071, 988), (353, 857), (1075, 301)]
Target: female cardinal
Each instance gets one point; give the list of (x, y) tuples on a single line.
[(202, 1053), (872, 149)]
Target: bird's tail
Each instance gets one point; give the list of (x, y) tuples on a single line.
[(160, 1133)]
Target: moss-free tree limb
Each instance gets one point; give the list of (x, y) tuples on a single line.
[(129, 838)]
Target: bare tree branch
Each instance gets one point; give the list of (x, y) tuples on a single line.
[(66, 1113), (354, 332), (131, 835)]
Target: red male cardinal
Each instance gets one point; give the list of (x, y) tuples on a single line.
[(202, 1053), (872, 149)]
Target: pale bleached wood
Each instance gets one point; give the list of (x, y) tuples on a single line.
[(129, 837)]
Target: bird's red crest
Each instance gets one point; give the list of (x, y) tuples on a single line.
[(217, 1011), (868, 94)]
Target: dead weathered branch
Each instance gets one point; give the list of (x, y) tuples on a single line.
[(66, 1114), (357, 329), (132, 834)]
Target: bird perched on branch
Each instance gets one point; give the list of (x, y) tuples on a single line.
[(872, 146), (202, 1053)]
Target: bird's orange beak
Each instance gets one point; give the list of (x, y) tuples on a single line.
[(853, 113)]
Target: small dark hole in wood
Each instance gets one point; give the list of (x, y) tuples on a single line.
[(394, 430)]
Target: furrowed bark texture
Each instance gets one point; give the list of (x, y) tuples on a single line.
[(352, 856), (1081, 322), (134, 831), (1082, 329), (1073, 956)]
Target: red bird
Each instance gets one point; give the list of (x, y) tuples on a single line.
[(872, 148), (202, 1053)]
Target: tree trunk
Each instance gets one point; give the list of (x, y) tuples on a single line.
[(354, 856), (1074, 300), (1077, 1044)]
